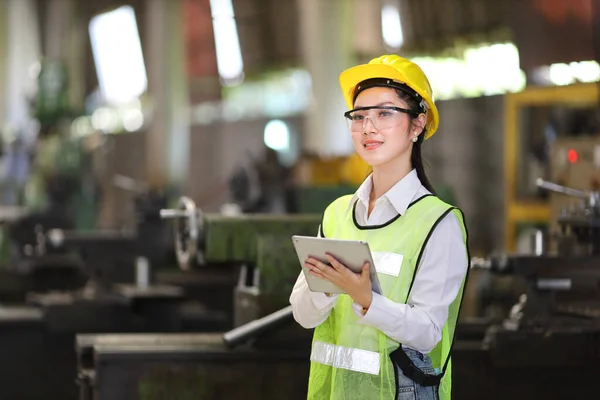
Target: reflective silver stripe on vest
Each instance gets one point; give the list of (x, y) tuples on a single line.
[(345, 357)]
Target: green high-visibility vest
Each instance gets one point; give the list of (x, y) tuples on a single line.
[(351, 361)]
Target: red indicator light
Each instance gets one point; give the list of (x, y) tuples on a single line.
[(572, 156)]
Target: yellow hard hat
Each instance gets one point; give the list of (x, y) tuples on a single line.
[(399, 70)]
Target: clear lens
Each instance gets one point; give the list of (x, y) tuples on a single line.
[(381, 118)]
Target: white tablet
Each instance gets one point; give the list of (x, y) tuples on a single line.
[(352, 253)]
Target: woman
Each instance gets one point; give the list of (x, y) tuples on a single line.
[(395, 345)]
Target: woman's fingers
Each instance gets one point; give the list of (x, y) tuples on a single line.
[(316, 273), (339, 267), (321, 267)]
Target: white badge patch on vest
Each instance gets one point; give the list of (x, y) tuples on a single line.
[(387, 263)]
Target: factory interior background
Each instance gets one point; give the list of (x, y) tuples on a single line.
[(156, 156)]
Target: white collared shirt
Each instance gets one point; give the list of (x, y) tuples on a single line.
[(417, 324)]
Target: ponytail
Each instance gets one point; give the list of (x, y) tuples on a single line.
[(417, 163)]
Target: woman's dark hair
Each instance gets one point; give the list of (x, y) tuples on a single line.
[(415, 158)]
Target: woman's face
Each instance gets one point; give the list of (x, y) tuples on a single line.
[(381, 135)]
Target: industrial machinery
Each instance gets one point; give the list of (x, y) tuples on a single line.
[(256, 248), (119, 295), (198, 366), (549, 344), (118, 266), (55, 198), (546, 347), (541, 126), (101, 281), (49, 176)]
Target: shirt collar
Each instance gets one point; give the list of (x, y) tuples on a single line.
[(401, 195), (363, 193)]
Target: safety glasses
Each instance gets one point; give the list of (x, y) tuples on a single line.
[(382, 117)]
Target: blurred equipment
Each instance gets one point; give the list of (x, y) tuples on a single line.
[(234, 269), (269, 359), (256, 248), (261, 186), (574, 163), (553, 329), (118, 294), (264, 355), (60, 192), (542, 126), (318, 181)]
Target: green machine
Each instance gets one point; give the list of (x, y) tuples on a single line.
[(58, 191), (61, 177), (61, 173), (256, 248)]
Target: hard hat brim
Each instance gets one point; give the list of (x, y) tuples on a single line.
[(351, 77)]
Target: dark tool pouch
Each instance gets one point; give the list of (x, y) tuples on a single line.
[(410, 370)]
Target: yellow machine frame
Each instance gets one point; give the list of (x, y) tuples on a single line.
[(518, 211)]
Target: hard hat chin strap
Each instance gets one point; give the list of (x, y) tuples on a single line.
[(385, 82)]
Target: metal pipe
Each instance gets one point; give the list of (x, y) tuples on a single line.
[(481, 263), (561, 189), (538, 245), (173, 214), (258, 326)]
